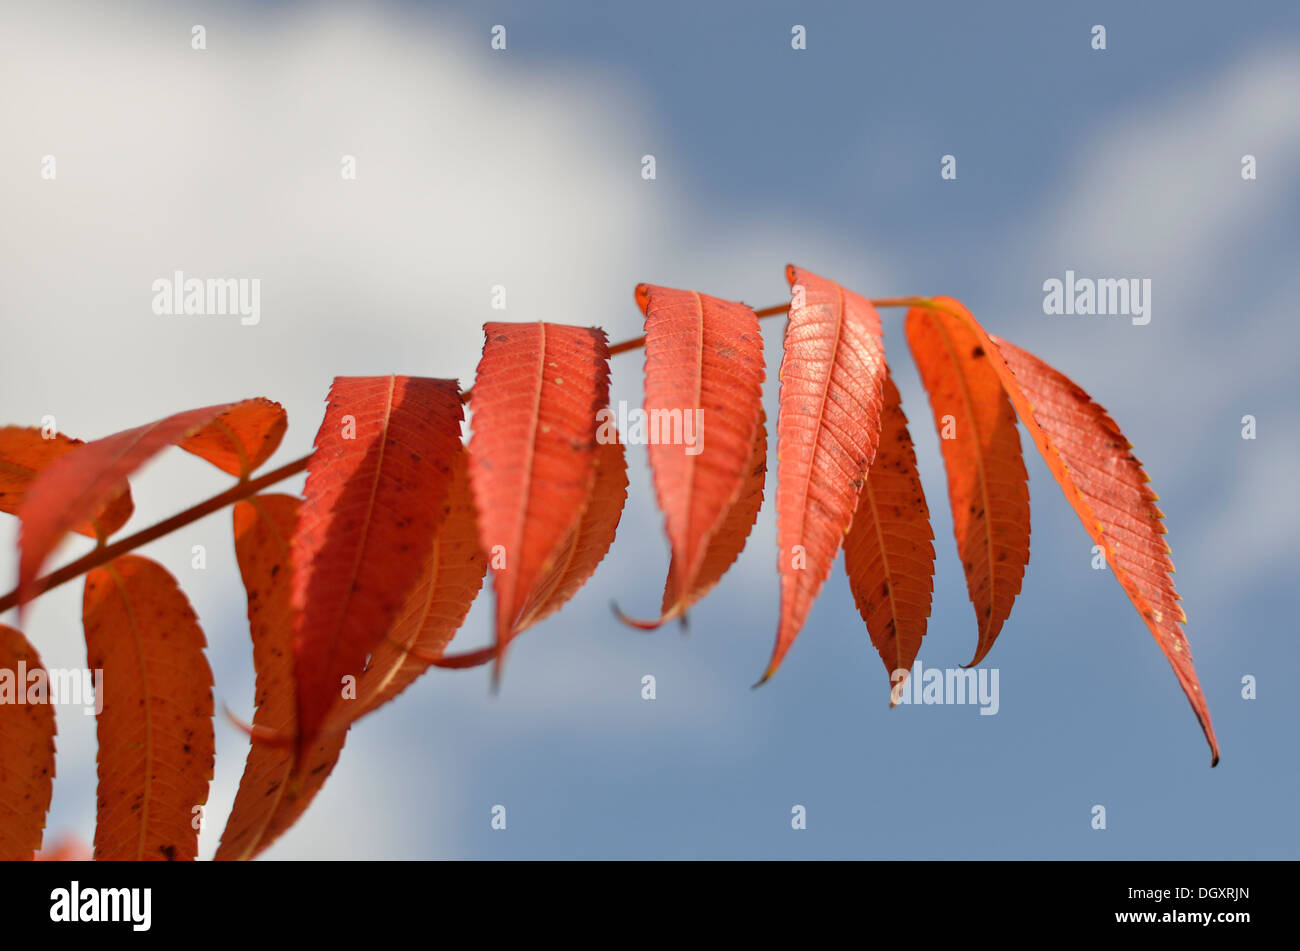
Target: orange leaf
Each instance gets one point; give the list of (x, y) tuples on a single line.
[(242, 438), (155, 729), (268, 801), (704, 362), (1108, 489), (727, 542), (533, 454), (589, 540), (434, 609), (887, 552), (828, 427), (24, 452), (75, 486), (987, 483), (376, 494), (26, 748), (67, 848)]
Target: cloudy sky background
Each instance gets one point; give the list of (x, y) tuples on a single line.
[(522, 168)]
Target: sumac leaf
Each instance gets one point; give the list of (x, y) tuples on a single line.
[(26, 749), (435, 608), (155, 728), (703, 380), (533, 453), (375, 497), (72, 488), (832, 376), (987, 483), (270, 799), (888, 555), (25, 452), (241, 438), (1105, 484)]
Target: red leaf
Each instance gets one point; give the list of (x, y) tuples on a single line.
[(987, 483), (155, 730), (375, 497), (25, 451), (26, 749), (533, 454), (828, 427), (1108, 489), (67, 848), (269, 801), (704, 361), (434, 609), (74, 487), (588, 542), (887, 552), (242, 438)]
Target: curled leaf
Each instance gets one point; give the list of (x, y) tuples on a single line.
[(25, 451), (270, 798), (72, 488)]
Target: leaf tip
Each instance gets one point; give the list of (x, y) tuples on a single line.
[(636, 623)]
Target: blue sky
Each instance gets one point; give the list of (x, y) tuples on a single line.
[(522, 167)]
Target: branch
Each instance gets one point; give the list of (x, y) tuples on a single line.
[(106, 553)]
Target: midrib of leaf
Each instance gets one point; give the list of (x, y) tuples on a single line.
[(535, 421), (148, 717), (693, 565), (986, 622), (884, 561), (821, 410), (237, 443), (365, 526)]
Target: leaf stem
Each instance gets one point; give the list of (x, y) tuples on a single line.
[(102, 554)]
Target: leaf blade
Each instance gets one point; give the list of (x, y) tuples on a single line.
[(242, 438), (988, 486), (375, 496), (704, 356), (25, 452), (729, 540), (268, 801), (589, 541), (434, 609), (533, 452), (888, 555), (1102, 480), (27, 733), (828, 427), (76, 485), (154, 768)]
